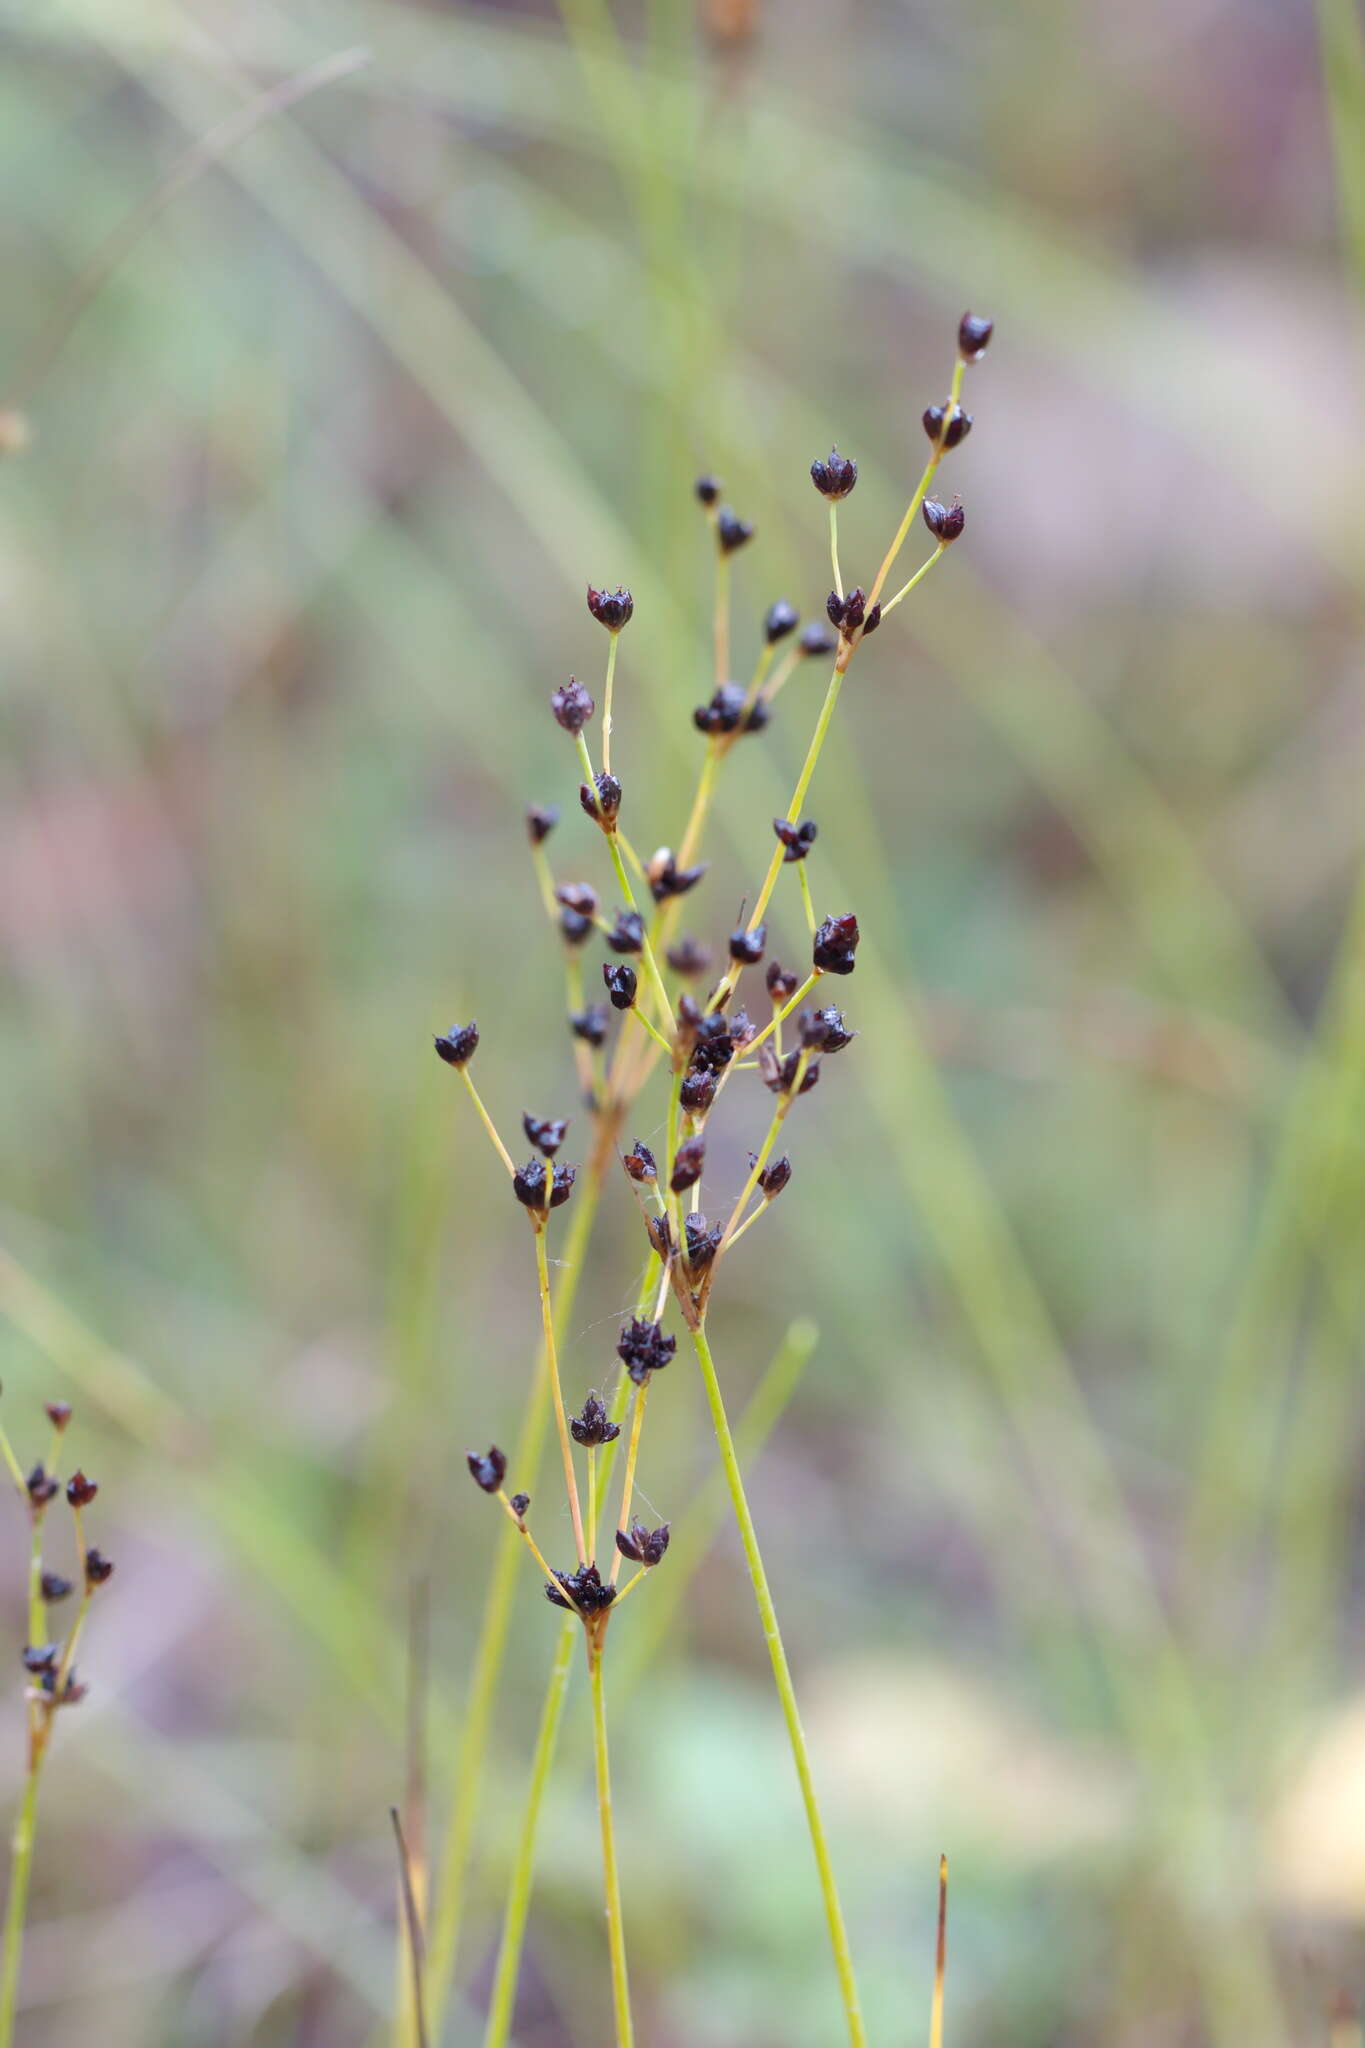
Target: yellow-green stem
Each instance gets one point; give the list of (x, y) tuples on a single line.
[(632, 1458), (523, 1869), (592, 1505), (921, 489), (606, 704), (611, 1882), (16, 1909), (722, 632), (804, 879), (557, 1391), (772, 1635), (486, 1120), (834, 546)]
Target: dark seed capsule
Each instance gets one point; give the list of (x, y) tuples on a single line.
[(574, 927), (80, 1491), (627, 935), (824, 1030), (708, 489), (572, 705), (702, 1241), (836, 942), (541, 820), (622, 984), (689, 957), (642, 1545), (41, 1486), (741, 1030), (974, 331), (945, 522), (731, 531), (40, 1657), (715, 1042), (644, 1347), (780, 1075), (698, 1091), (782, 984), (849, 611), (725, 711), (73, 1692), (797, 839), (746, 946), (578, 896), (520, 1503), (590, 1025), (666, 878), (780, 620), (546, 1133), (687, 1165), (58, 1414), (601, 799), (758, 715), (457, 1046), (593, 1426), (660, 1235), (959, 426), (640, 1164), (487, 1468), (98, 1568), (55, 1587), (817, 639), (611, 608), (528, 1184), (872, 621), (775, 1176), (835, 478), (583, 1589)]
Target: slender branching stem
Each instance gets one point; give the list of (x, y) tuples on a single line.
[(486, 1120), (632, 1459), (940, 1958), (920, 573), (722, 620), (591, 1552), (16, 1908), (547, 1570), (781, 1016), (807, 904), (412, 1920), (772, 1634), (784, 1103), (545, 882), (611, 1882), (921, 488), (834, 546), (556, 1389), (701, 804), (614, 640), (15, 1469), (518, 1905)]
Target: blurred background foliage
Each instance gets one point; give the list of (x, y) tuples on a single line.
[(1065, 1513)]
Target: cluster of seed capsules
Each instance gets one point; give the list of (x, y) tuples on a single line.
[(703, 1039), (49, 1660)]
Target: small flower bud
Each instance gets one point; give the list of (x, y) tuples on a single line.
[(80, 1491), (782, 984), (488, 1468), (58, 1414), (797, 839), (593, 1426), (698, 1091), (660, 1236), (746, 946), (40, 1657), (945, 522), (687, 1165), (611, 608), (741, 1030), (98, 1568), (622, 984), (817, 639), (55, 1587), (835, 478), (541, 820), (666, 878), (641, 1545), (579, 896), (974, 331), (640, 1164), (572, 705), (519, 1504), (644, 1347), (73, 1692), (723, 713), (546, 1133), (42, 1487), (601, 800), (584, 1589), (715, 1042), (627, 935), (590, 1025), (851, 612), (457, 1046), (528, 1185), (574, 927), (774, 1177), (836, 941), (688, 957), (959, 426), (708, 490), (779, 620), (702, 1241), (731, 531)]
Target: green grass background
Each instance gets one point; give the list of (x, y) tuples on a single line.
[(1065, 1514)]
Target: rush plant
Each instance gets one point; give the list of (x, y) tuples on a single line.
[(658, 1039)]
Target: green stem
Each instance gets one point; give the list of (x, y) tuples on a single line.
[(470, 1771), (772, 1635), (523, 1870), (606, 705), (16, 1911), (611, 1882)]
